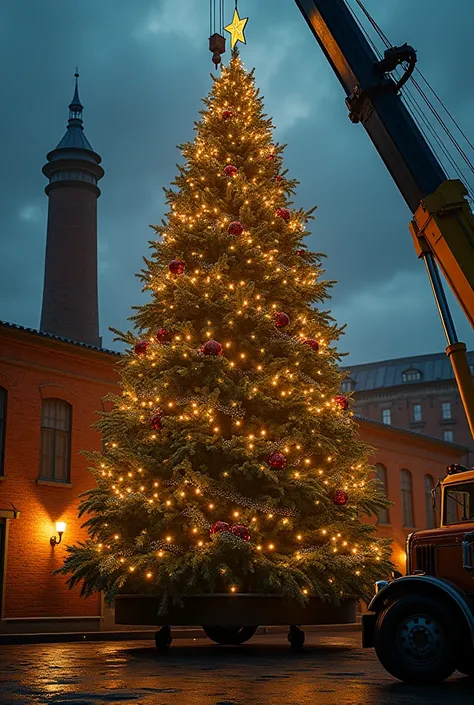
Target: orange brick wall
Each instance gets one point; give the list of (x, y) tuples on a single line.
[(33, 367), (397, 450)]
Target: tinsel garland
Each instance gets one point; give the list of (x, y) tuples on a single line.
[(238, 499)]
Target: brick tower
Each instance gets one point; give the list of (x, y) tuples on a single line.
[(70, 297)]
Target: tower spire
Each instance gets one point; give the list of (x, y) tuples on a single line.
[(76, 107)]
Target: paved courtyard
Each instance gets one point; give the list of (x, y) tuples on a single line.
[(332, 670)]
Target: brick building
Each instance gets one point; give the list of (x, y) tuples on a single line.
[(417, 393), (50, 392)]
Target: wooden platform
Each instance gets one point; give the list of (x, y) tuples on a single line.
[(232, 610)]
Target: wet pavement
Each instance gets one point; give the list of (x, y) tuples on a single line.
[(331, 670)]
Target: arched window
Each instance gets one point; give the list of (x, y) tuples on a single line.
[(3, 427), (55, 440), (430, 511), (381, 476), (348, 385), (411, 375), (407, 498)]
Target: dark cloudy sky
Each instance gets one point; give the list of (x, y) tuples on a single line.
[(144, 67)]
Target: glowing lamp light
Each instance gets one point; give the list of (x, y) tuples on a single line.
[(60, 528)]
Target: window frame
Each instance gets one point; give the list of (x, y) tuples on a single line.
[(383, 488), (447, 440), (408, 505), (443, 416), (430, 511), (456, 489), (389, 412), (348, 385), (411, 375), (43, 477), (3, 427), (415, 409)]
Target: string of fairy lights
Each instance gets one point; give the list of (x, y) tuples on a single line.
[(239, 296)]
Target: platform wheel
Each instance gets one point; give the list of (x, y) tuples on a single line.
[(230, 635), (163, 639), (415, 640), (296, 637)]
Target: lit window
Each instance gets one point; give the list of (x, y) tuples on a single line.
[(411, 375), (430, 510), (381, 476), (55, 440), (387, 416), (446, 410), (3, 424), (407, 498), (448, 436), (417, 415)]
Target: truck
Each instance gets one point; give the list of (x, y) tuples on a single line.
[(421, 624)]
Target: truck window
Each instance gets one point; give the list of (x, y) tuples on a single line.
[(459, 503)]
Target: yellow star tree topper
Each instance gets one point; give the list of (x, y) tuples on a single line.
[(236, 29)]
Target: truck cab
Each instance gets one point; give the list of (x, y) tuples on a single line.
[(422, 624)]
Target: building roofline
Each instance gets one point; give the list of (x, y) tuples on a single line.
[(398, 360), (413, 434), (50, 336)]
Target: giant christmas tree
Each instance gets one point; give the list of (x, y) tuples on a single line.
[(231, 461)]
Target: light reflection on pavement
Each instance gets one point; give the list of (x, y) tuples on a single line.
[(331, 670)]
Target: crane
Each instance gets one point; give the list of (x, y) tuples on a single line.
[(442, 226)]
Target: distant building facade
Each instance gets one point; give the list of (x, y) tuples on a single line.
[(417, 393)]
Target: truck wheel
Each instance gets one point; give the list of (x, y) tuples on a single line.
[(230, 635), (415, 640)]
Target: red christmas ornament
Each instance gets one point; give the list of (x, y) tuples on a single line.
[(235, 228), (283, 213), (270, 157), (278, 177), (155, 421), (312, 343), (219, 527), (281, 319), (241, 531), (230, 170), (342, 401), (277, 461), (141, 347), (300, 253), (163, 335), (177, 266), (227, 115), (212, 348), (340, 498)]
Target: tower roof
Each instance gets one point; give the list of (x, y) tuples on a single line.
[(74, 138)]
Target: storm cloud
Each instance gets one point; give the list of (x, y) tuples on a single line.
[(144, 67)]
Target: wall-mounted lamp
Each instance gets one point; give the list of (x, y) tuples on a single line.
[(60, 528)]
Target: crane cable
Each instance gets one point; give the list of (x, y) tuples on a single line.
[(216, 17), (427, 101), (414, 109)]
